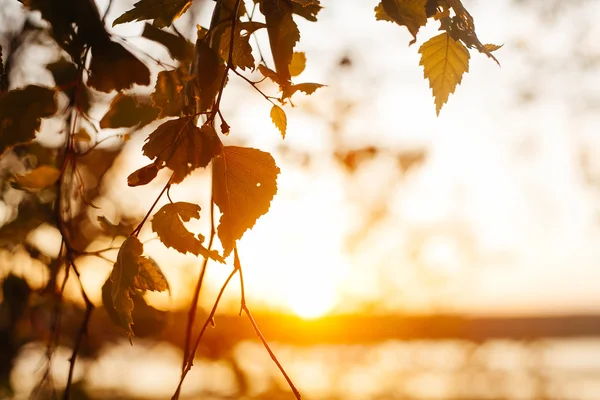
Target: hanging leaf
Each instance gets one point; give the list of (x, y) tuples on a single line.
[(462, 27), (307, 88), (21, 112), (244, 183), (168, 225), (444, 61), (179, 47), (148, 321), (492, 47), (279, 119), (182, 146), (307, 9), (168, 92), (40, 178), (123, 274), (242, 50), (114, 68), (298, 63), (150, 276), (283, 34), (122, 229), (209, 70), (143, 176), (125, 112), (272, 75), (163, 12), (3, 75), (409, 13)]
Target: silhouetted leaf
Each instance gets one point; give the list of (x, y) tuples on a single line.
[(123, 274), (307, 88), (462, 27), (409, 13), (182, 146), (492, 47), (168, 225), (143, 176), (150, 276), (40, 178), (114, 68), (209, 70), (444, 61), (244, 183), (122, 229), (148, 321), (272, 75), (21, 111), (163, 12), (64, 72), (3, 75), (283, 34), (306, 9), (279, 119), (125, 112), (168, 93), (242, 50), (298, 63), (179, 47)]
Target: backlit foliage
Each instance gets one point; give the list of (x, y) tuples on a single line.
[(186, 98)]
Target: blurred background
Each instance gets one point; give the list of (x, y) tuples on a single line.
[(405, 256)]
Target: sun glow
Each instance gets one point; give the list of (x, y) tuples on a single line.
[(293, 256)]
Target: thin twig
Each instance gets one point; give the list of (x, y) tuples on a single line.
[(228, 67), (89, 307), (209, 320), (137, 230), (194, 303), (244, 307), (253, 84)]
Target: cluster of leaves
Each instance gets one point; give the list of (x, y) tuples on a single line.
[(445, 57), (186, 102)]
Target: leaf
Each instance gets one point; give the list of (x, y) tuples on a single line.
[(82, 136), (122, 229), (150, 276), (125, 112), (308, 9), (242, 50), (149, 322), (180, 145), (444, 61), (21, 111), (279, 119), (283, 34), (114, 68), (178, 46), (209, 71), (40, 178), (409, 13), (122, 276), (307, 88), (462, 27), (3, 75), (168, 92), (492, 47), (244, 183), (298, 63), (163, 12), (272, 75), (168, 225), (143, 176)]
